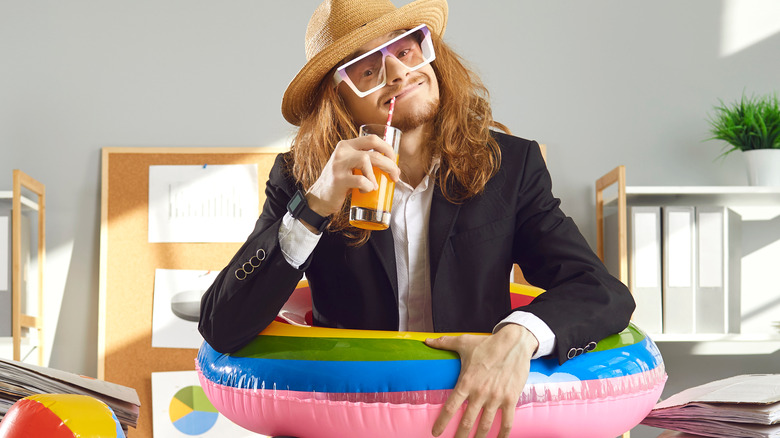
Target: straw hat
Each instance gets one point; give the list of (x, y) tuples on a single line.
[(339, 27)]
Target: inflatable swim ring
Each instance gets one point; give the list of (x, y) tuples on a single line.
[(321, 382)]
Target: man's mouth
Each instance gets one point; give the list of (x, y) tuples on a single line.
[(407, 89)]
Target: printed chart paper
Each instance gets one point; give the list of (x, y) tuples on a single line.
[(176, 307), (180, 409), (208, 203)]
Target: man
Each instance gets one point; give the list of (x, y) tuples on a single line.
[(469, 203)]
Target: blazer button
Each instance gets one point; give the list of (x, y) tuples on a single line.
[(591, 346), (580, 351), (259, 256), (248, 267), (572, 353)]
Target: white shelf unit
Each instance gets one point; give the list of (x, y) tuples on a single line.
[(7, 196), (759, 208), (730, 196)]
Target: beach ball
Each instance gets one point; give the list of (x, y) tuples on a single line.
[(60, 416)]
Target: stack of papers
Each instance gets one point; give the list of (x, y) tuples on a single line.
[(744, 406), (19, 380)]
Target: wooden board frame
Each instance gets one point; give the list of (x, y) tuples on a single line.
[(128, 262)]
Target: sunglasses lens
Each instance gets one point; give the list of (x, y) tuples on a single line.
[(367, 72), (409, 50)]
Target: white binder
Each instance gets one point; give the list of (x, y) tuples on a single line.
[(644, 262), (718, 245), (644, 266), (678, 270)]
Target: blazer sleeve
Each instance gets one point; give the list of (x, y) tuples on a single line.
[(249, 292), (583, 302)]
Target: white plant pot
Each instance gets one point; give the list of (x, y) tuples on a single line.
[(763, 167)]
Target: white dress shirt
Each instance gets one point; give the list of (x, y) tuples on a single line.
[(409, 224)]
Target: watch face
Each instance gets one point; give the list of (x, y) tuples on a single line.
[(295, 202), (300, 210)]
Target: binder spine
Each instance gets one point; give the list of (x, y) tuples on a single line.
[(718, 243), (679, 262), (644, 254)]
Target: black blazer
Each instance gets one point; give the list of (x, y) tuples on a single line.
[(472, 248)]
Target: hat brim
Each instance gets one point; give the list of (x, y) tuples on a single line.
[(299, 94)]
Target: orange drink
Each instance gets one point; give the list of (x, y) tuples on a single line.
[(371, 211)]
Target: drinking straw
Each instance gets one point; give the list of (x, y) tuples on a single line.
[(389, 117)]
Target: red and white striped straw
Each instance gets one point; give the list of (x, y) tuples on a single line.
[(389, 116)]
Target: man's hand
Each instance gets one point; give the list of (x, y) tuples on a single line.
[(493, 372), (327, 194)]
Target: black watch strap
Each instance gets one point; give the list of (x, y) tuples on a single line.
[(299, 209)]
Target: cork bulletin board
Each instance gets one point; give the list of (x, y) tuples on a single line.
[(128, 262)]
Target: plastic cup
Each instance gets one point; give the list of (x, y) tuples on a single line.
[(371, 211)]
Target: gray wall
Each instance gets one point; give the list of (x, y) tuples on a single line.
[(603, 83)]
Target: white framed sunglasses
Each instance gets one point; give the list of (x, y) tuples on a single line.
[(366, 73)]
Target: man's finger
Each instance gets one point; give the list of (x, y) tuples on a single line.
[(361, 183), (441, 343), (507, 420), (468, 420), (450, 408), (486, 421), (386, 164), (374, 142), (367, 171), (459, 343)]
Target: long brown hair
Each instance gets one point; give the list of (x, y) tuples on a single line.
[(470, 155)]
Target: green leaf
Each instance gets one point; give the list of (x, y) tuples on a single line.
[(751, 123)]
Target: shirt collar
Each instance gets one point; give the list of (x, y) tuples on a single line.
[(426, 181)]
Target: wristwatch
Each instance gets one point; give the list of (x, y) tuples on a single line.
[(299, 209)]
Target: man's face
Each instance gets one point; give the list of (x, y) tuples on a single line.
[(416, 93)]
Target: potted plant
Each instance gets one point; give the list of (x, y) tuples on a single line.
[(752, 126)]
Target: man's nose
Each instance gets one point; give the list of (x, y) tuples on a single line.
[(395, 69)]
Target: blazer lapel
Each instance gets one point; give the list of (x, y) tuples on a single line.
[(443, 215), (441, 222), (382, 243)]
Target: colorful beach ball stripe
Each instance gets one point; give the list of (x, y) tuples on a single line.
[(60, 416)]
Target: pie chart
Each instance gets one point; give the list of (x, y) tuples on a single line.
[(191, 412)]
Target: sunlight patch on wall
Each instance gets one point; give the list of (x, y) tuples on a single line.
[(745, 23), (57, 267)]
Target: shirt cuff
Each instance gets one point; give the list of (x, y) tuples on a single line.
[(536, 326), (296, 241)]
